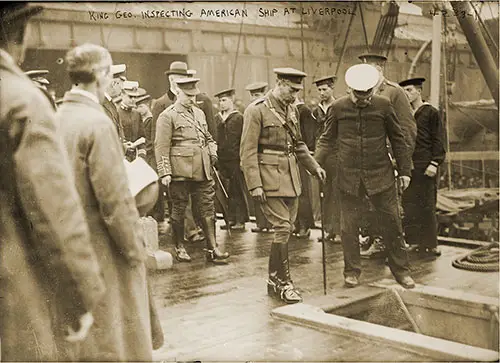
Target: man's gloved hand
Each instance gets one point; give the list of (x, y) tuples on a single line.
[(404, 181), (214, 161), (258, 194), (321, 174), (431, 170), (166, 180), (85, 322)]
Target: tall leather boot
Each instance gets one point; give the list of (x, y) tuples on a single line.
[(289, 293), (178, 236), (213, 253), (273, 282)]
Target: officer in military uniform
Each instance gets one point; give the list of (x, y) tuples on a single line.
[(113, 96), (258, 90), (419, 200), (229, 127), (331, 205), (396, 95), (186, 153), (270, 147), (131, 120), (360, 123)]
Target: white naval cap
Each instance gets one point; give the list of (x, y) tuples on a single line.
[(362, 77)]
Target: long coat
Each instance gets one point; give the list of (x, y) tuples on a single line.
[(122, 329), (49, 273), (362, 149), (268, 154)]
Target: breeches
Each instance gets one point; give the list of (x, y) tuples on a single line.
[(202, 195), (281, 213)]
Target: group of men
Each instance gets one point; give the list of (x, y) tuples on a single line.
[(72, 249)]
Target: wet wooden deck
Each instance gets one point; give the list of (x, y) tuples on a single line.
[(221, 313)]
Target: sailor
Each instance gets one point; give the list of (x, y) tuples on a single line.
[(131, 120), (271, 146), (403, 110), (419, 200), (331, 212), (229, 127), (359, 123), (258, 90), (186, 153)]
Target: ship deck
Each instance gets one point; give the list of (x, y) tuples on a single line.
[(222, 313)]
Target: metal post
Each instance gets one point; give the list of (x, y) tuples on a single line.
[(302, 46), (445, 96), (436, 60), (478, 45), (484, 173)]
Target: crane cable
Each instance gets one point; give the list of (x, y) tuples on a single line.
[(237, 48), (342, 52)]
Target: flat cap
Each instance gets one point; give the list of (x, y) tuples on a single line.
[(118, 70), (14, 11), (294, 76), (225, 93), (178, 67), (188, 85), (412, 82), (325, 80), (367, 57), (256, 87), (362, 77)]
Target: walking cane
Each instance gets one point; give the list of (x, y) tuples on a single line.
[(321, 202)]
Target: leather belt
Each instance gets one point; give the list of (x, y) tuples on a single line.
[(187, 143), (276, 149)]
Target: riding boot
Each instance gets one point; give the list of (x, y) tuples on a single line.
[(213, 253), (289, 293), (178, 236), (273, 282)]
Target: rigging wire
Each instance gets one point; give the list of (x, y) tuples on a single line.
[(237, 49), (342, 52), (364, 26), (483, 25)]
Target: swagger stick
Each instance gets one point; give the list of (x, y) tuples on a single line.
[(321, 198)]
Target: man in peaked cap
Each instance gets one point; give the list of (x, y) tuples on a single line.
[(271, 144), (37, 76), (131, 120), (331, 214), (113, 96), (229, 127), (48, 286), (403, 110), (186, 153), (258, 90), (419, 200), (359, 123)]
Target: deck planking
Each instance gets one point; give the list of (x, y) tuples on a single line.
[(221, 313)]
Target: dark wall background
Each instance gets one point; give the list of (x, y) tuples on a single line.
[(147, 68)]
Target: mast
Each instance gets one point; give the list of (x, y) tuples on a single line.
[(478, 45)]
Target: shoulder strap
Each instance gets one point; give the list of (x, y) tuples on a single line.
[(282, 120)]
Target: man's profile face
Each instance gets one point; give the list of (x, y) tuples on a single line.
[(288, 93), (411, 92), (325, 92), (255, 95), (173, 86), (186, 100)]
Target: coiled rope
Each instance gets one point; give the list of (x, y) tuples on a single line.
[(483, 259)]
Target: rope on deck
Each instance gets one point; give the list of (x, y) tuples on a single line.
[(483, 259)]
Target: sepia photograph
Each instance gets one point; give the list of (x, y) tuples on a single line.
[(205, 181)]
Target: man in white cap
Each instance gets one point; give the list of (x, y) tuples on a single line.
[(359, 123), (271, 145)]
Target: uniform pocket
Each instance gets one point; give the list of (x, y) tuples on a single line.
[(181, 160), (269, 172)]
